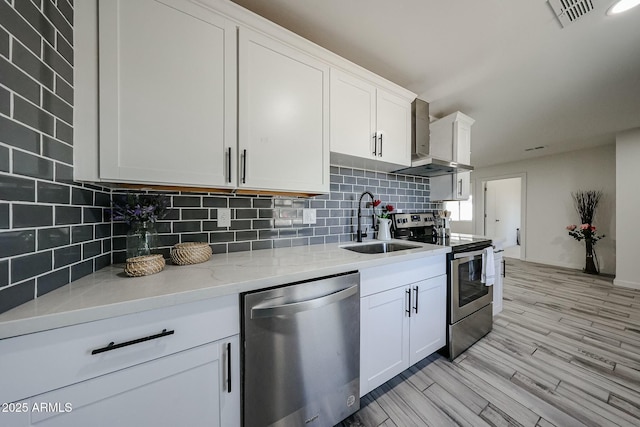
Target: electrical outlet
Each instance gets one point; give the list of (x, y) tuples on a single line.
[(308, 216), (224, 217)]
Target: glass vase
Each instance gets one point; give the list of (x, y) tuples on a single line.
[(142, 239)]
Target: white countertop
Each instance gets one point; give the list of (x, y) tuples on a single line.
[(109, 292)]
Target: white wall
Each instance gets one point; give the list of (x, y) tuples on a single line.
[(549, 205), (628, 208)]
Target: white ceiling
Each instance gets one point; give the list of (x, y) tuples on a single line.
[(508, 64)]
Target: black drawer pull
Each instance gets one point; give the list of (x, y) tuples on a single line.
[(113, 346)]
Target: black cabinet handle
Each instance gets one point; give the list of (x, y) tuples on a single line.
[(244, 166), (228, 367), (504, 267), (380, 152), (113, 346), (229, 166), (375, 144), (416, 289), (408, 310)]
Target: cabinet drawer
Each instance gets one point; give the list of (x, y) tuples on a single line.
[(379, 279), (35, 363)]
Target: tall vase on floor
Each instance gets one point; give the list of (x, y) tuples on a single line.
[(586, 203), (591, 263)]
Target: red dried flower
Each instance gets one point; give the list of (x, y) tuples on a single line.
[(376, 203)]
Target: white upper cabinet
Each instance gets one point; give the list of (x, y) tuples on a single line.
[(450, 138), (394, 128), (283, 117), (167, 93), (205, 94), (456, 186), (353, 115), (368, 122)]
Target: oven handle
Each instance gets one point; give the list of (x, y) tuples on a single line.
[(297, 307), (468, 254)]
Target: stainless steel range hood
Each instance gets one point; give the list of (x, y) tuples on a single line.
[(422, 163)]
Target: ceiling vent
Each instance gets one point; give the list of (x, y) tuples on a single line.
[(540, 147), (568, 11)]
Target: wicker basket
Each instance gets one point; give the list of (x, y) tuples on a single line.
[(144, 265), (190, 253)]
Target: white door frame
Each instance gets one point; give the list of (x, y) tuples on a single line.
[(478, 208)]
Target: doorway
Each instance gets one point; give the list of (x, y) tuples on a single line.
[(503, 213)]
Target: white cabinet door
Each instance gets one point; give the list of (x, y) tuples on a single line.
[(384, 337), (428, 318), (186, 388), (167, 93), (456, 186), (394, 128), (353, 115), (450, 138), (283, 117), (462, 142)]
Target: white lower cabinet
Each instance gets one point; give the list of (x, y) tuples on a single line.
[(186, 388), (402, 325), (427, 327), (172, 366)]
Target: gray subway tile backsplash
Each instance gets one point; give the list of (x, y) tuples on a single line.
[(48, 192), (25, 216), (4, 43), (59, 238), (4, 216), (34, 166), (31, 13), (24, 59), (58, 63), (17, 135), (4, 273), (52, 281), (30, 115), (53, 237), (28, 266), (5, 102), (265, 222)]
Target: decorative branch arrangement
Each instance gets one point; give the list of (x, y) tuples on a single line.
[(586, 203)]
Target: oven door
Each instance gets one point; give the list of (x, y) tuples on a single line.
[(468, 293)]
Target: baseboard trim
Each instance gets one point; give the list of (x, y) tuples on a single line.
[(626, 284), (567, 265)]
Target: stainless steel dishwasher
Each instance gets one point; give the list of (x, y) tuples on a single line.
[(301, 356)]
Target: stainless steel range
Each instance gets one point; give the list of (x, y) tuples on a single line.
[(469, 301)]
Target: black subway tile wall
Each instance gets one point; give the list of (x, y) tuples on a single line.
[(52, 230), (265, 222)]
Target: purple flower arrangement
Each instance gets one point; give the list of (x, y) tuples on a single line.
[(134, 208)]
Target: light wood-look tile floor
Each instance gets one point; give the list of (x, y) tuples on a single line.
[(564, 352)]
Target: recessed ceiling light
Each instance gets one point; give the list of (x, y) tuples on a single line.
[(622, 6)]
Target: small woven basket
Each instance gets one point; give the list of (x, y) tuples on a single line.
[(144, 265), (190, 253)]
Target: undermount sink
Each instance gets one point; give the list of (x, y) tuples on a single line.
[(379, 248)]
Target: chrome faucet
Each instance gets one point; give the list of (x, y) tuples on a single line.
[(359, 233)]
